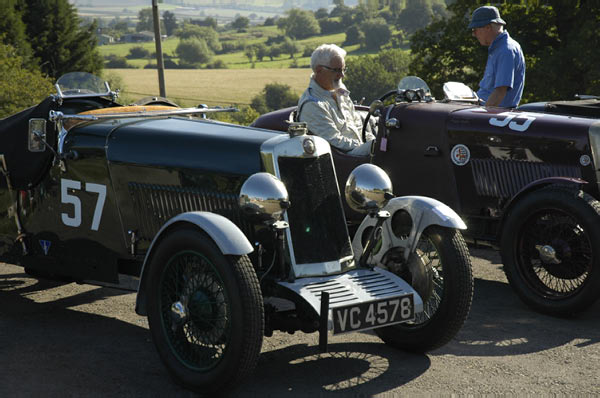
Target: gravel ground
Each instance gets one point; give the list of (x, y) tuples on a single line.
[(62, 339)]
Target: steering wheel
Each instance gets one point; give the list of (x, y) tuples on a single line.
[(374, 107)]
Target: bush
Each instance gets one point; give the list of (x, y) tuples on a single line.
[(244, 117), (138, 52), (170, 64), (114, 61), (217, 64), (371, 76), (274, 96), (193, 51)]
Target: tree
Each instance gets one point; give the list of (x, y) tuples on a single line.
[(299, 24), (274, 51), (145, 20), (208, 21), (377, 33), (261, 51), (120, 26), (321, 13), (250, 52), (559, 41), (240, 23), (193, 51), (354, 36), (138, 52), (14, 30), (274, 96), (290, 47), (371, 76), (170, 22), (58, 40), (416, 15), (20, 86), (205, 33)]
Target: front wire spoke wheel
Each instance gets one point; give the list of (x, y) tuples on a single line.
[(201, 339), (205, 311), (440, 271)]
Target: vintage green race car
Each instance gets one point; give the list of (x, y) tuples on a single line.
[(233, 232)]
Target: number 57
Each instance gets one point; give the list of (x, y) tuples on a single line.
[(65, 197)]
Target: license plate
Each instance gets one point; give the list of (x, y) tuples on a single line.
[(373, 314)]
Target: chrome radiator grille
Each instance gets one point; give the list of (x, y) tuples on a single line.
[(504, 178), (317, 223)]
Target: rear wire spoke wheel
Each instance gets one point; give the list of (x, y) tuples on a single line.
[(550, 250), (205, 311), (441, 273)]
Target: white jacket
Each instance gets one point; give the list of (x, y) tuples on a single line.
[(338, 122)]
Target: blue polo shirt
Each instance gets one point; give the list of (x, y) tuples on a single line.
[(505, 67)]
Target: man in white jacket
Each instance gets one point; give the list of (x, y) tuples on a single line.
[(326, 106)]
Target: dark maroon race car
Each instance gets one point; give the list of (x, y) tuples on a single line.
[(524, 181)]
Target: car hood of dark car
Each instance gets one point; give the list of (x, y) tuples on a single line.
[(181, 143)]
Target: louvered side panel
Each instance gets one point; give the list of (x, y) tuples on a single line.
[(156, 204), (504, 178)]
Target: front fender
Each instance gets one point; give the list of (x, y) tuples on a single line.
[(226, 235), (423, 212)]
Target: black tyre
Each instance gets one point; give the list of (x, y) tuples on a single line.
[(205, 312), (444, 279), (550, 248)]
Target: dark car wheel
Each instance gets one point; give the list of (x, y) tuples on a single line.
[(205, 311), (550, 250), (443, 278)]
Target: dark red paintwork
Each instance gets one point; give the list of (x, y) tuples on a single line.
[(511, 152)]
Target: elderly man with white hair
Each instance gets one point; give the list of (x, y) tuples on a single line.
[(326, 106)]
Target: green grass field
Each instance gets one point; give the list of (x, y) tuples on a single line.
[(190, 87), (236, 60)]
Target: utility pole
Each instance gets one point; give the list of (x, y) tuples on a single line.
[(160, 66)]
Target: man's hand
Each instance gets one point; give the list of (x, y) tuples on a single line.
[(496, 96)]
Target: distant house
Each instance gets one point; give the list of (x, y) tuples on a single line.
[(138, 37), (104, 39)]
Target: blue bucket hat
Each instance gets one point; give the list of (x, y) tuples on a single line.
[(485, 15)]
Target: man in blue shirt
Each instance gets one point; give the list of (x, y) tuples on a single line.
[(504, 77)]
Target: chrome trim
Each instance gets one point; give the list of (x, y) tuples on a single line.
[(57, 115), (594, 133), (284, 146)]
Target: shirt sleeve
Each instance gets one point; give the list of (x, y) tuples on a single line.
[(320, 122), (505, 70)]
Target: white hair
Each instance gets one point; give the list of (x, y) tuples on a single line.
[(324, 54)]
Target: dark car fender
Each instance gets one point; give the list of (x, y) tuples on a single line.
[(226, 235), (534, 186)]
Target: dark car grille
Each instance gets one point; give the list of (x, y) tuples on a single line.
[(504, 178), (317, 223), (156, 204)]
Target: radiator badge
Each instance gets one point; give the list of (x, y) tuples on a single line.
[(45, 246), (585, 160), (460, 155)]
